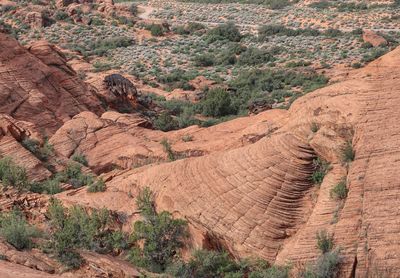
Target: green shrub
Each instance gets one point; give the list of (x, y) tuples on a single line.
[(340, 190), (165, 122), (321, 168), (204, 60), (227, 31), (61, 15), (74, 228), (254, 56), (348, 153), (158, 237), (97, 186), (80, 158), (217, 103), (41, 152), (324, 241), (13, 175), (50, 186), (314, 127), (156, 30), (204, 264), (327, 266), (168, 149), (16, 231)]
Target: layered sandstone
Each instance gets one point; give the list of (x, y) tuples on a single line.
[(259, 200)]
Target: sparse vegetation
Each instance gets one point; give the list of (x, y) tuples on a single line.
[(42, 152), (13, 175), (16, 231), (80, 158), (168, 149), (160, 235), (321, 168), (348, 153), (324, 241), (340, 190), (75, 228)]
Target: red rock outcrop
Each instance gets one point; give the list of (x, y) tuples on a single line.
[(258, 199), (38, 86), (373, 38)]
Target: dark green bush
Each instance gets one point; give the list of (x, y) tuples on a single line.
[(204, 264), (41, 152), (340, 190), (80, 158), (227, 31), (348, 153), (16, 231), (254, 56), (217, 103), (156, 30), (74, 228), (321, 168), (165, 122), (97, 186), (158, 237), (13, 175), (204, 60), (133, 9), (324, 241), (327, 266), (61, 15)]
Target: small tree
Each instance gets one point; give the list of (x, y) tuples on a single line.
[(13, 175), (324, 241), (217, 103), (159, 234), (16, 231)]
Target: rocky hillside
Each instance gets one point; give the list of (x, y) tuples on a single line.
[(91, 185)]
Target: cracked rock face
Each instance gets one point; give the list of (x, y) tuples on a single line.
[(37, 85)]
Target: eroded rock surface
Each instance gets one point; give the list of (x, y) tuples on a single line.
[(259, 200), (38, 86)]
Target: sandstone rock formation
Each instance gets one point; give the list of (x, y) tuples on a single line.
[(259, 200), (38, 86), (373, 38)]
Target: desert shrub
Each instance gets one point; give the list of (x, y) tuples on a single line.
[(158, 237), (74, 228), (331, 32), (314, 127), (348, 153), (16, 231), (61, 15), (374, 54), (340, 190), (217, 103), (80, 158), (50, 186), (168, 149), (324, 241), (97, 21), (165, 122), (97, 186), (101, 47), (356, 65), (327, 266), (255, 56), (321, 168), (227, 31), (13, 175), (204, 60), (41, 152), (261, 84), (156, 30), (73, 175), (133, 9), (205, 263), (280, 30)]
